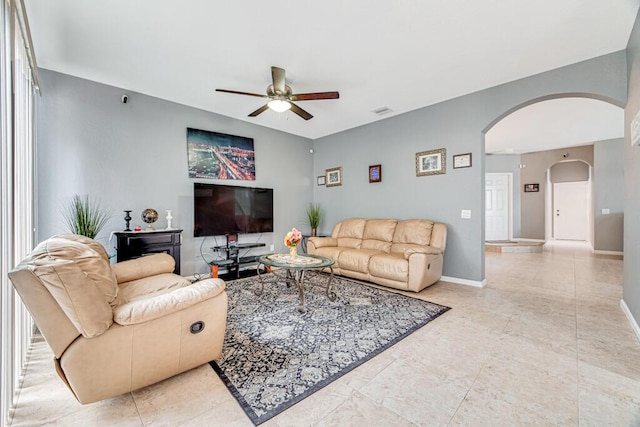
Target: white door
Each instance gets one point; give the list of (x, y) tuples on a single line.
[(497, 206), (571, 210)]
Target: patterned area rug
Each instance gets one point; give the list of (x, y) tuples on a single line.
[(274, 356)]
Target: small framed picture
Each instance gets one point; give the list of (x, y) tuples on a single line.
[(375, 173), (321, 180), (531, 188), (333, 177), (431, 162), (462, 161)]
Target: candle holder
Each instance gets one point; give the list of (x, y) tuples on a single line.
[(127, 218)]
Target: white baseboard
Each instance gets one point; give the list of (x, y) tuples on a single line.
[(530, 240), (606, 252), (466, 282), (632, 321)]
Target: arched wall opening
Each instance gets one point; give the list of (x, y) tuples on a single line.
[(543, 199)]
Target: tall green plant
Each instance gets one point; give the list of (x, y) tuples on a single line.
[(85, 217), (314, 215)]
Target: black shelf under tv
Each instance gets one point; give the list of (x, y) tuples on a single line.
[(234, 262)]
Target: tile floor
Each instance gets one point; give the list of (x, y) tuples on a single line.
[(545, 343)]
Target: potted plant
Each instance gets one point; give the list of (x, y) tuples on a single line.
[(85, 217), (314, 215)]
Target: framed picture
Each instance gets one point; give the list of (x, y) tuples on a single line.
[(333, 177), (321, 180), (217, 155), (462, 161), (531, 188), (431, 162), (375, 173)]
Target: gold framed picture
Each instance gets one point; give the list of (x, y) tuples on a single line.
[(432, 162), (333, 177)]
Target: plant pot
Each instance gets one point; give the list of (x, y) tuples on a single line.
[(314, 231)]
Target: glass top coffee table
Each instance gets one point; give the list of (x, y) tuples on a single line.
[(299, 271)]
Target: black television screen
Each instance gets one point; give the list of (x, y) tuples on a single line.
[(224, 209)]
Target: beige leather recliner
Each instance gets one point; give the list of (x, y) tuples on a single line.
[(114, 329)]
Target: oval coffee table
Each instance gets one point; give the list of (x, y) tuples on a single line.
[(298, 271)]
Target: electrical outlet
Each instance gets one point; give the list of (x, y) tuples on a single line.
[(606, 211), (272, 248), (465, 214)]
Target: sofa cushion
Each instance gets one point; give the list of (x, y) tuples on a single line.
[(356, 259), (376, 245), (389, 266), (411, 232), (332, 252), (350, 232), (378, 234), (380, 229), (80, 280)]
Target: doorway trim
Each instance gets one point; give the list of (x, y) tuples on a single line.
[(548, 209)]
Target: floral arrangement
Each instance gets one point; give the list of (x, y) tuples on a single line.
[(293, 238)]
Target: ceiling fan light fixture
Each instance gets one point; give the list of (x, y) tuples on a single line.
[(279, 105)]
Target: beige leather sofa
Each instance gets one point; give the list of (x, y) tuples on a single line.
[(401, 254), (114, 329)]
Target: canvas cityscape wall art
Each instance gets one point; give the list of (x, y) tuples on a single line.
[(216, 155)]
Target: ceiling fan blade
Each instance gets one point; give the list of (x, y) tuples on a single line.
[(241, 93), (260, 110), (299, 111), (313, 96), (279, 86)]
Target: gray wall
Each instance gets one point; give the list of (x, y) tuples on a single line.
[(535, 172), (134, 156), (632, 181), (608, 190), (508, 163), (459, 126)]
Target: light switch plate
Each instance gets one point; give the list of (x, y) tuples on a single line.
[(606, 211), (465, 214), (271, 248)]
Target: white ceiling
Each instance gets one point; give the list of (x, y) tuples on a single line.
[(402, 55), (558, 123)]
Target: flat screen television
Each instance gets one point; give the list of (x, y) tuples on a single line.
[(225, 209)]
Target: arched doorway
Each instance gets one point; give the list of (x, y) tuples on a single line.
[(537, 202)]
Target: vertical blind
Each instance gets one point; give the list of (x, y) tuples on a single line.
[(17, 206)]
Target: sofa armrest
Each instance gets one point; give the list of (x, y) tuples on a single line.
[(320, 242), (429, 250), (127, 271), (145, 309)]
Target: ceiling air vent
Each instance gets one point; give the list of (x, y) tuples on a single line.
[(382, 111)]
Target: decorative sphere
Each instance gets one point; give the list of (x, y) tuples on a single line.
[(149, 216)]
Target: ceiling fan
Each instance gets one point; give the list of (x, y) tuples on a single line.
[(281, 96)]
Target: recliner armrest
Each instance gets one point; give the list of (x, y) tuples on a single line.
[(320, 242), (127, 271), (429, 250), (145, 309)]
